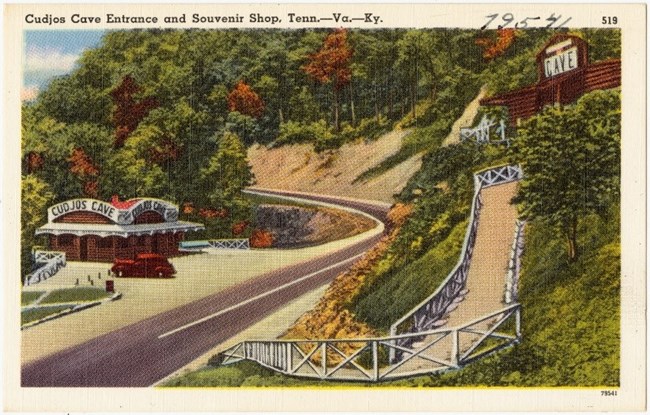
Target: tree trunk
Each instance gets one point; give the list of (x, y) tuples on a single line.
[(413, 100), (390, 100), (337, 123), (376, 103), (572, 239), (281, 115), (352, 113)]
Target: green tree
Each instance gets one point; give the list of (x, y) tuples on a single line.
[(35, 197), (128, 175), (227, 173), (571, 162)]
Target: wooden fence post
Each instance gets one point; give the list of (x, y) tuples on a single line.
[(455, 348), (375, 361), (323, 358), (289, 364)]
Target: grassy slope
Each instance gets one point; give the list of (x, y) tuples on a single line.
[(571, 323), (571, 316), (396, 293), (28, 297), (74, 295), (40, 312)]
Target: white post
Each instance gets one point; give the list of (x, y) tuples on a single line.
[(375, 361), (391, 352), (323, 358), (518, 322), (455, 352), (289, 357)]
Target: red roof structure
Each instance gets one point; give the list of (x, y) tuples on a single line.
[(124, 204), (564, 75)]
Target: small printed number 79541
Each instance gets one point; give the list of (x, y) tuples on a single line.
[(607, 393)]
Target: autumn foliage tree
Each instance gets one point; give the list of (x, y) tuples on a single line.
[(331, 65), (128, 111), (497, 45), (245, 101), (82, 166)]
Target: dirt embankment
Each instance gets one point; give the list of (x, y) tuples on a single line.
[(298, 167), (297, 227), (330, 318)]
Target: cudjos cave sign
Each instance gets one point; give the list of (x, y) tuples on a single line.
[(564, 75), (94, 230)]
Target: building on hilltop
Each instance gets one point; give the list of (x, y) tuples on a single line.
[(564, 75)]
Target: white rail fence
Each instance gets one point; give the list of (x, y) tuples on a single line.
[(481, 133), (514, 266), (416, 345), (430, 313), (215, 244), (368, 359), (50, 262)]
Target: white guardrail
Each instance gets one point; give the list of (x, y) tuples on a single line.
[(368, 359), (189, 246), (414, 346), (50, 263)]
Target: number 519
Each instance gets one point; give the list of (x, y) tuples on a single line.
[(609, 20)]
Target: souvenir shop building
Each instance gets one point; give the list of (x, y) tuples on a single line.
[(94, 230)]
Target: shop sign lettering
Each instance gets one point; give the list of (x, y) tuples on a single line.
[(122, 217), (562, 62)]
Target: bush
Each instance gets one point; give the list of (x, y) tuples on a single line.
[(367, 129), (294, 132), (261, 238)]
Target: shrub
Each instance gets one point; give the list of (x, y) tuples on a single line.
[(294, 132), (261, 238), (367, 129)]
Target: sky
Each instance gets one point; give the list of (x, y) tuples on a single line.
[(51, 53)]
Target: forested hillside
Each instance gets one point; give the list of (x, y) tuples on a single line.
[(570, 196), (169, 113)]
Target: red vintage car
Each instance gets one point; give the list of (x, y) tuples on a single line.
[(144, 265)]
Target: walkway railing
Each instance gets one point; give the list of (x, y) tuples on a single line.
[(367, 359), (430, 312), (514, 266), (415, 345), (50, 262)]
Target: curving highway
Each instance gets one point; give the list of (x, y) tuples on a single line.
[(141, 354)]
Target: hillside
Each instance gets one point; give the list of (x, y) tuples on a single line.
[(298, 167), (570, 296)]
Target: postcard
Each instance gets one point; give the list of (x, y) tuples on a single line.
[(331, 207)]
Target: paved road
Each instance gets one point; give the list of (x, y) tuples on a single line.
[(143, 353)]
